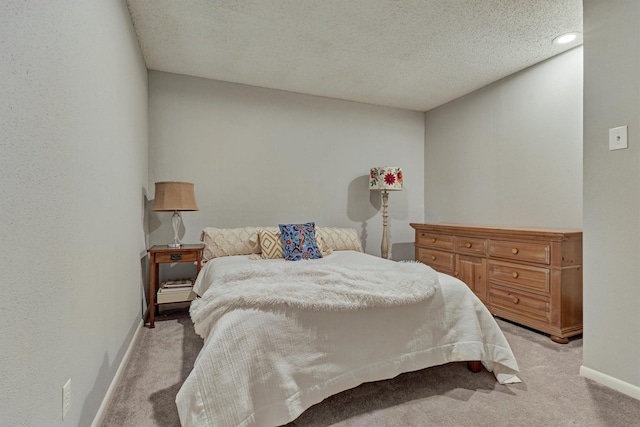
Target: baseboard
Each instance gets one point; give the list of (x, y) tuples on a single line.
[(611, 382), (102, 411)]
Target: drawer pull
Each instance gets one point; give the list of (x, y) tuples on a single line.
[(433, 257), (176, 257), (456, 273), (515, 300), (515, 251), (433, 240), (468, 245), (515, 274)]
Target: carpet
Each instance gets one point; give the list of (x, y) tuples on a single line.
[(552, 392)]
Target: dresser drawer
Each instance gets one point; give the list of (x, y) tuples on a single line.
[(519, 304), (471, 245), (176, 257), (438, 260), (521, 276), (440, 241), (520, 251)]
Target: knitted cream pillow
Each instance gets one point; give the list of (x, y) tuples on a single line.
[(229, 241), (339, 239)]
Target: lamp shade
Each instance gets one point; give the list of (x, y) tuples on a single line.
[(174, 196), (385, 178)]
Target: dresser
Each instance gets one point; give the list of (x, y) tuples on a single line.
[(527, 275)]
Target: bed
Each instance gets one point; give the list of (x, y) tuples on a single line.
[(269, 354)]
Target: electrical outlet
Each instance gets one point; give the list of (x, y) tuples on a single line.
[(66, 398), (618, 138)]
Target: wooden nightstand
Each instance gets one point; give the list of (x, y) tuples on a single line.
[(160, 254)]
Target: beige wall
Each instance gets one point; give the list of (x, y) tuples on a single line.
[(73, 162), (262, 157), (510, 154), (612, 195)]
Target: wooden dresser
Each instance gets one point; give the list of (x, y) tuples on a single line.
[(529, 276)]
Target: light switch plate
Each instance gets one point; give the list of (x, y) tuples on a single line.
[(618, 138)]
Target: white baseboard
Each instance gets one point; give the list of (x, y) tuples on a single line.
[(102, 411), (611, 382)]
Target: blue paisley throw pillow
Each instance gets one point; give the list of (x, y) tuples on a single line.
[(299, 241)]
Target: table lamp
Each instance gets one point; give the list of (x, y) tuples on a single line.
[(174, 196)]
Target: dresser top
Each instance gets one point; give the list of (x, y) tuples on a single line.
[(492, 231)]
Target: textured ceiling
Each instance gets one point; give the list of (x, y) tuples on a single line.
[(411, 54)]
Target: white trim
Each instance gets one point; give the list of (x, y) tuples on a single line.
[(611, 382), (102, 411)]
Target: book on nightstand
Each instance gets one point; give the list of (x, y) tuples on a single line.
[(180, 290)]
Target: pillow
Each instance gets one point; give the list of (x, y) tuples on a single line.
[(271, 243), (229, 241), (324, 250), (340, 239), (299, 241)]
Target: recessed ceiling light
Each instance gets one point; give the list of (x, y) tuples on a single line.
[(565, 38)]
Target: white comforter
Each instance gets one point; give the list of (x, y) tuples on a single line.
[(265, 366)]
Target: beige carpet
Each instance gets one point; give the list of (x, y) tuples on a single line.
[(552, 393)]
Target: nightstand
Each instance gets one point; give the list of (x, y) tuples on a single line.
[(159, 254)]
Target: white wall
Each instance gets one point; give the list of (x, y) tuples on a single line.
[(510, 154), (73, 164), (612, 195), (262, 157)]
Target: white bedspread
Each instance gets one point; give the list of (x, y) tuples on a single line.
[(312, 285), (265, 366)]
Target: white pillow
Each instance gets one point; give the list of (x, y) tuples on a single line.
[(340, 239), (229, 241)]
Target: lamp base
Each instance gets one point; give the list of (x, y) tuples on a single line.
[(176, 219), (384, 248)]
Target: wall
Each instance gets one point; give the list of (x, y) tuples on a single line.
[(262, 157), (612, 195), (73, 164), (510, 154)]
